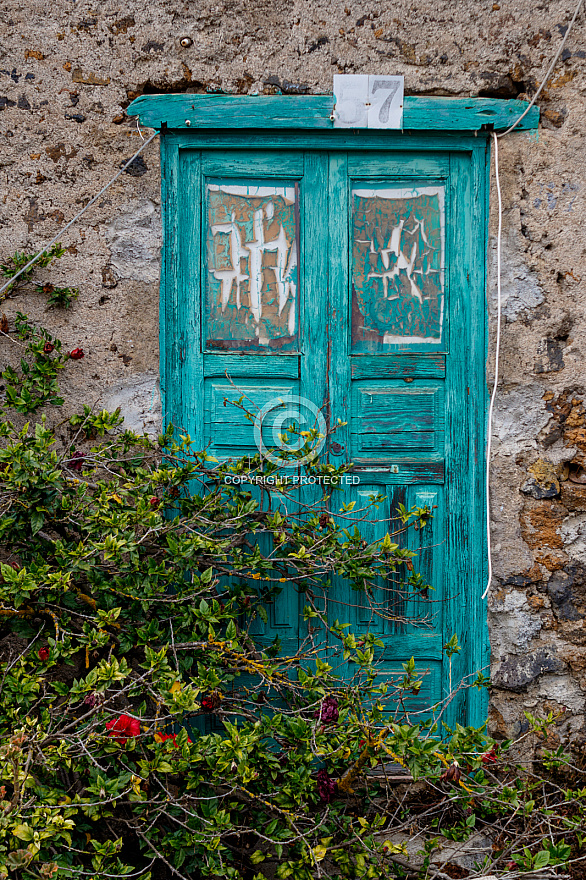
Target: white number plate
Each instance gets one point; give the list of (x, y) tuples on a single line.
[(373, 101)]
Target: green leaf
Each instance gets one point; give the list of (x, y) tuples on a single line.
[(25, 832), (319, 852), (541, 859), (37, 520)]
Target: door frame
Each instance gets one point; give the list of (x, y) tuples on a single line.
[(246, 124)]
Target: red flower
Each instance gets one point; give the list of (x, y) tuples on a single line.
[(154, 502), (211, 702), (43, 653), (163, 737), (123, 727), (489, 757), (48, 348), (76, 354)]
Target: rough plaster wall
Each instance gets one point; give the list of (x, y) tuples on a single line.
[(67, 72)]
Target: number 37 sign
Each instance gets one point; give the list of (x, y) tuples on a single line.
[(362, 101)]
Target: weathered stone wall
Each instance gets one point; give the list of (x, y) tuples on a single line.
[(68, 71)]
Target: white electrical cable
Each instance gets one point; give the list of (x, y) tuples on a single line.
[(498, 287), (496, 358), (78, 215)]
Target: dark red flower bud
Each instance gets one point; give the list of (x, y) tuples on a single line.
[(91, 700), (15, 565), (328, 711), (44, 653), (76, 461), (154, 502), (48, 348), (211, 701), (324, 520), (326, 786), (77, 354)]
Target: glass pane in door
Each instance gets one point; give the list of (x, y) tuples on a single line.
[(251, 278), (398, 244)]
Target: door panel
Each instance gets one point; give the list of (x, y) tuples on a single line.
[(229, 433), (391, 421)]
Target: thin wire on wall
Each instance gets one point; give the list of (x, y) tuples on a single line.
[(496, 138), (79, 214), (496, 357)]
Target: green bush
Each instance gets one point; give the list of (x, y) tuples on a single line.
[(148, 730)]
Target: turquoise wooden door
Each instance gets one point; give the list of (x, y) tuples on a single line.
[(351, 277)]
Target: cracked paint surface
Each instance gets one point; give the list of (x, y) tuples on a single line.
[(251, 284), (397, 267)]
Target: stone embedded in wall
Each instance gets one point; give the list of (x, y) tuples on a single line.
[(561, 591), (513, 623), (568, 424), (573, 535), (134, 237), (91, 79), (517, 672), (550, 356), (544, 480), (519, 416), (136, 168), (139, 400), (521, 291)]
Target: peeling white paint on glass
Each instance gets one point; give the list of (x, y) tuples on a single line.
[(399, 257), (258, 295)]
